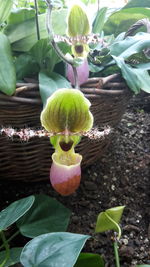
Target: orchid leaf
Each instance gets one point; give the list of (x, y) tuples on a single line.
[(14, 211), (49, 83), (137, 3), (25, 66), (54, 249), (143, 265), (131, 45), (20, 15), (99, 20), (67, 109), (136, 78), (109, 220), (45, 216), (89, 259), (120, 21), (78, 23)]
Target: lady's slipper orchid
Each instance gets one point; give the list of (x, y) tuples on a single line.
[(66, 115), (78, 29), (82, 72)]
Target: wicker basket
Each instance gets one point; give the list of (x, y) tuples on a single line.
[(30, 160)]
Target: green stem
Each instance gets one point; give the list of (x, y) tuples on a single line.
[(5, 242), (115, 245), (37, 21), (9, 239)]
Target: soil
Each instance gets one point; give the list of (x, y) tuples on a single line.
[(121, 177)]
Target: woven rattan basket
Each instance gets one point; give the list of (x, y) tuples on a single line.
[(30, 160)]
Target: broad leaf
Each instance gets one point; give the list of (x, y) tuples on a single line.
[(7, 68), (26, 66), (13, 258), (23, 35), (14, 211), (45, 216), (109, 220), (51, 250), (121, 21), (48, 84), (136, 78), (40, 50), (5, 9), (137, 3), (131, 45), (18, 16), (99, 20), (89, 260)]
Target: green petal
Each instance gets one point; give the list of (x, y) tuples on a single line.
[(67, 109), (78, 23)]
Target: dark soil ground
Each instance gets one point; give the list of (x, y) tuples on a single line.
[(121, 177)]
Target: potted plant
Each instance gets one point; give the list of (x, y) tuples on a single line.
[(112, 60)]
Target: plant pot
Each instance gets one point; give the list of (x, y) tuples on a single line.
[(30, 160)]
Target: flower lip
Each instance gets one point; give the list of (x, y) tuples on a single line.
[(66, 160)]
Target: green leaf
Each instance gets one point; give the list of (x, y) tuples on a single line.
[(143, 265), (45, 216), (40, 50), (78, 23), (89, 260), (109, 220), (99, 20), (14, 256), (26, 66), (51, 250), (136, 78), (137, 3), (121, 21), (18, 16), (7, 68), (23, 34), (5, 9), (14, 211), (131, 45), (48, 84)]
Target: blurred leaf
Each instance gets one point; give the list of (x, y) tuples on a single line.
[(14, 256), (23, 35), (7, 68), (5, 9), (131, 45), (121, 21), (89, 260), (45, 216), (48, 84), (137, 3), (26, 66), (99, 20), (55, 249), (14, 211), (20, 15), (143, 265), (137, 79), (109, 220), (40, 50)]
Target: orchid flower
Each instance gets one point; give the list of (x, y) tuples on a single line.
[(66, 115)]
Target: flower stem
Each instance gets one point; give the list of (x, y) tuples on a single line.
[(6, 245), (9, 239), (37, 21), (115, 245)]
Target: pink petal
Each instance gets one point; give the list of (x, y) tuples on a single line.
[(65, 179), (82, 70)]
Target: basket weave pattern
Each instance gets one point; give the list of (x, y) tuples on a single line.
[(30, 160)]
